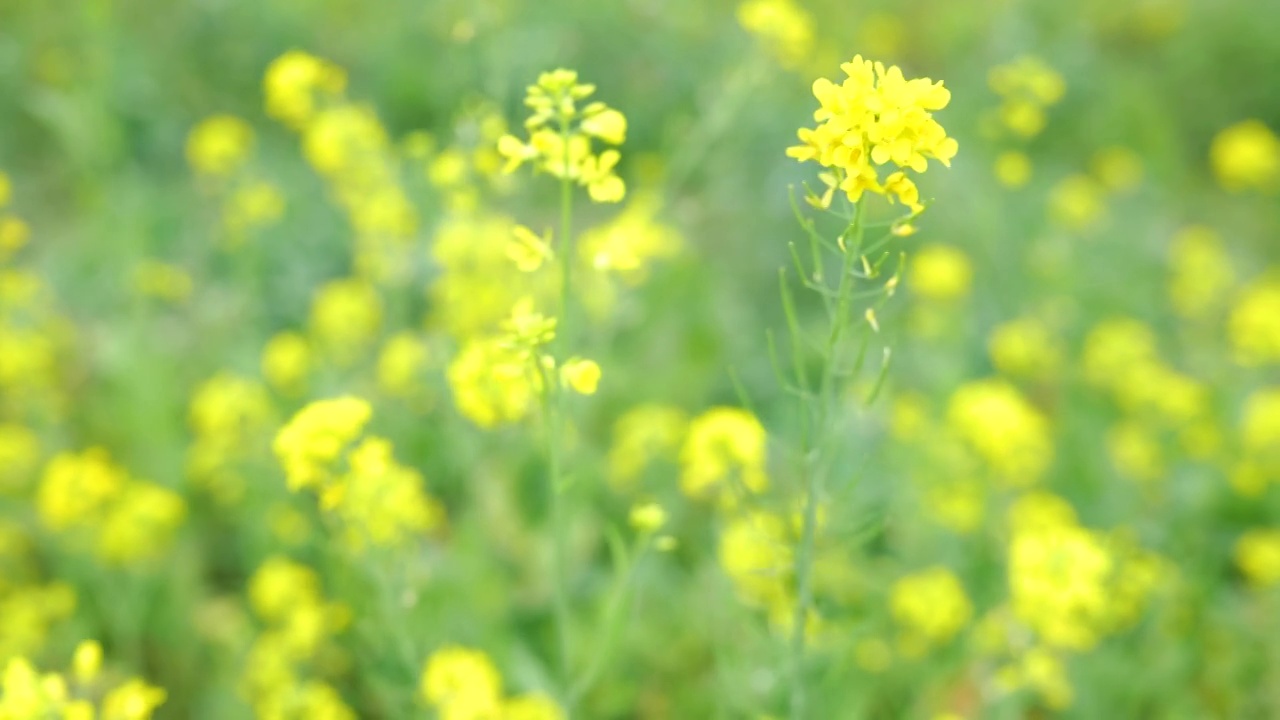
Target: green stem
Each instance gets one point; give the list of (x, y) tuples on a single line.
[(557, 416), (814, 452)]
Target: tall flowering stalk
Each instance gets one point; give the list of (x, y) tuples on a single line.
[(563, 132), (873, 129)]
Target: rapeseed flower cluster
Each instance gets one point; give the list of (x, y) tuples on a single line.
[(230, 419), (81, 693), (220, 150), (291, 662), (1027, 87), (30, 607), (348, 146), (375, 500), (875, 117), (930, 606), (1002, 428), (562, 134), (1201, 274), (94, 502), (463, 684)]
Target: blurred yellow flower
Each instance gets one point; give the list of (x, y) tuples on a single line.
[(1013, 169), (723, 455), (1118, 168), (581, 375), (286, 362), (295, 81), (1253, 326), (784, 28), (219, 145), (1200, 273), (1077, 202), (931, 605), (1004, 428), (1246, 156), (939, 272), (1257, 553), (644, 434), (316, 436), (462, 684)]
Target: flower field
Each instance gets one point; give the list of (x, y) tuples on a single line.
[(762, 359)]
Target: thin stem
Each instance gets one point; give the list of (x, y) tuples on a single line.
[(557, 415), (814, 452)]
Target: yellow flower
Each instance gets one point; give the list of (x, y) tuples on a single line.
[(295, 81), (87, 661), (1246, 156), (1119, 169), (1006, 430), (6, 189), (1254, 323), (219, 145), (379, 501), (648, 517), (401, 364), (723, 454), (755, 551), (561, 133), (783, 27), (940, 272), (77, 489), (1025, 347), (531, 706), (462, 684), (876, 116), (580, 374), (286, 362), (134, 700), (1201, 273), (1077, 202), (314, 438), (527, 250), (644, 434), (931, 604), (346, 316), (1013, 169), (1257, 553)]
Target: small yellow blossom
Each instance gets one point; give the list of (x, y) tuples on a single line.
[(1253, 326), (648, 518), (219, 145), (286, 362), (931, 604), (1246, 156), (940, 272), (296, 85), (1200, 273), (1013, 169), (462, 684), (784, 28), (1257, 553), (581, 375), (723, 454)]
